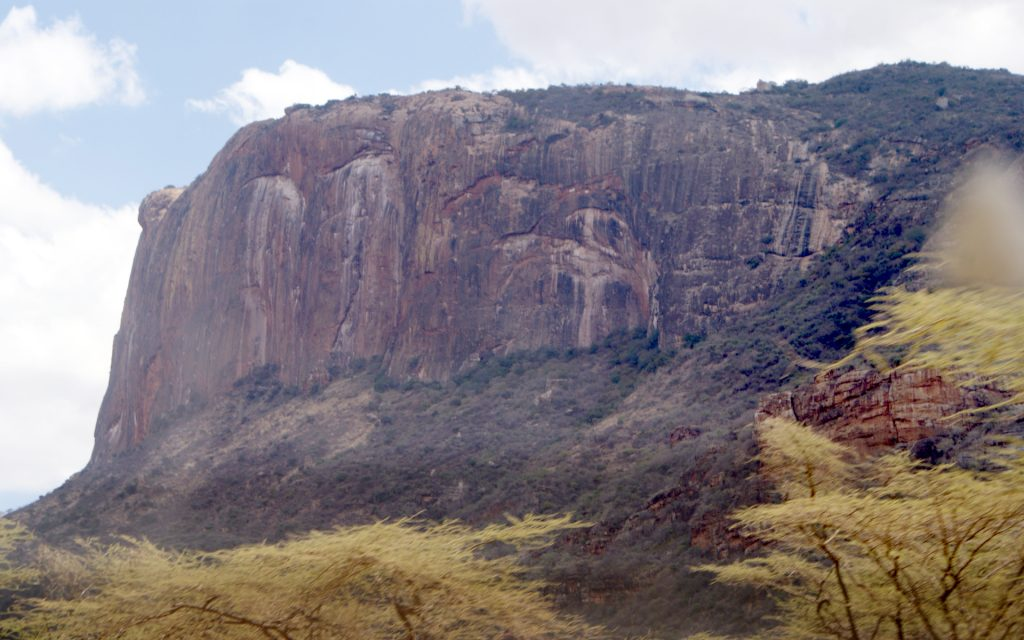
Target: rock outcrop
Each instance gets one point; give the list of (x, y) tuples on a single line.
[(436, 230), (872, 411), (429, 235)]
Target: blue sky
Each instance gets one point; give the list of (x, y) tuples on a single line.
[(190, 50), (102, 102)]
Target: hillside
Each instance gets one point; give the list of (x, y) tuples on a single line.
[(463, 305)]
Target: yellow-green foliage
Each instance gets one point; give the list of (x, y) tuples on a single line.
[(13, 574), (973, 334), (387, 580), (894, 551), (970, 325), (799, 461), (885, 547)]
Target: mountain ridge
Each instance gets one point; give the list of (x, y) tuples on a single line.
[(643, 428)]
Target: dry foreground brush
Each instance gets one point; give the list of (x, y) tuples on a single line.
[(385, 580), (892, 548), (852, 548), (886, 548)]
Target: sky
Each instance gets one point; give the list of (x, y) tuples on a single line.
[(105, 101)]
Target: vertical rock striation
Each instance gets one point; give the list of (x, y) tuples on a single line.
[(438, 229)]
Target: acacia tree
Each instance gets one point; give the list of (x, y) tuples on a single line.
[(969, 321), (886, 548), (386, 580), (14, 575)]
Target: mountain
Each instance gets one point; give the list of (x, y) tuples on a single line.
[(442, 229), (463, 305)]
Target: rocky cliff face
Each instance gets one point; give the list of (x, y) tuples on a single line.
[(431, 234), (874, 411), (437, 230)]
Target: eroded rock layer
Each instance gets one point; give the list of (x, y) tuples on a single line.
[(874, 411)]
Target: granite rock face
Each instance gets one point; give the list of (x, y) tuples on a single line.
[(874, 411), (436, 230)]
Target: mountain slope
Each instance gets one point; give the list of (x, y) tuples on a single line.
[(561, 300)]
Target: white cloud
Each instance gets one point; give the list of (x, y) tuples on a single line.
[(494, 80), (730, 44), (262, 94), (64, 269), (61, 67)]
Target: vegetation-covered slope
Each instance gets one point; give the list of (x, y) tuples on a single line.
[(648, 436)]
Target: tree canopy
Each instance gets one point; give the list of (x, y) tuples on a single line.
[(888, 547), (399, 579)]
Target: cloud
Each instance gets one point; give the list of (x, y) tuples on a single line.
[(730, 44), (494, 80), (262, 94), (61, 67), (63, 274)]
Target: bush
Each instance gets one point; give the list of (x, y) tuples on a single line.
[(386, 580)]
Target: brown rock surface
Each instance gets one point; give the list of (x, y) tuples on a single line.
[(871, 410), (435, 230)]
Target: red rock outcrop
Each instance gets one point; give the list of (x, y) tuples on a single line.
[(438, 229), (871, 411)]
